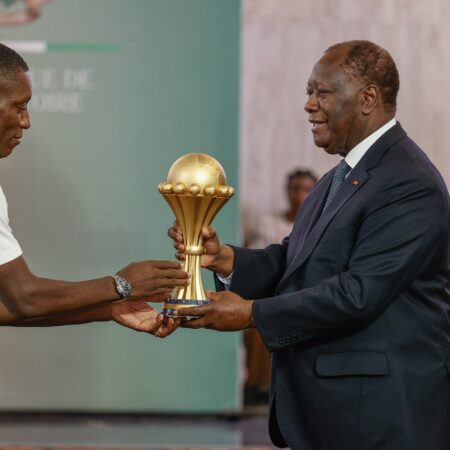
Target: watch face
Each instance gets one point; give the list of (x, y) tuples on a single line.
[(122, 287)]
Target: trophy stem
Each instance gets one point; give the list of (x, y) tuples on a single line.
[(194, 291), (191, 295)]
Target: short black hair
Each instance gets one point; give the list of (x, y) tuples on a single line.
[(10, 62), (372, 64), (300, 173)]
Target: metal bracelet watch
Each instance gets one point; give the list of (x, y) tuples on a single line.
[(123, 287)]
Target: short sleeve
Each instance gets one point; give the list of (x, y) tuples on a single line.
[(9, 247)]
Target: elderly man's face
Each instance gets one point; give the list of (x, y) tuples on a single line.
[(333, 105), (14, 97)]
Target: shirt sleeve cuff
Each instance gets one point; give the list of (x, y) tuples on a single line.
[(13, 253), (226, 280)]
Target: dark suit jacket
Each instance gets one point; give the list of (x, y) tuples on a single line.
[(355, 307)]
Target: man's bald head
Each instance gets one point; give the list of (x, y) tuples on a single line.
[(369, 63)]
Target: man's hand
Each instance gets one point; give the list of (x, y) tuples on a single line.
[(218, 258), (26, 295), (140, 316), (154, 280), (227, 312)]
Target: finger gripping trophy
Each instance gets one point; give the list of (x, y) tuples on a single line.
[(196, 189)]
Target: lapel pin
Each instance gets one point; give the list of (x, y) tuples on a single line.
[(355, 182)]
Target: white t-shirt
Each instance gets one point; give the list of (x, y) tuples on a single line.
[(9, 247)]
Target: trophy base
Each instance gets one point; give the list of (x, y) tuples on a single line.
[(173, 304)]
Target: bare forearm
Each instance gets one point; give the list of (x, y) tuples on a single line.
[(25, 295), (97, 313), (53, 296), (35, 297)]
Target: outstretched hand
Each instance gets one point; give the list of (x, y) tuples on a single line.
[(226, 312), (140, 316), (154, 280)]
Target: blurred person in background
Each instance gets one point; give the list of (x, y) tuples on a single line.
[(265, 229), (259, 232), (29, 300)]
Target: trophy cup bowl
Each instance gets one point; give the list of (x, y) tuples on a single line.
[(196, 189)]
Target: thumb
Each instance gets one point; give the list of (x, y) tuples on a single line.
[(213, 296), (208, 233)]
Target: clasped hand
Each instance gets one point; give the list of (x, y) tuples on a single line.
[(227, 310), (151, 281)]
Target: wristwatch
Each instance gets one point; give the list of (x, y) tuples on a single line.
[(123, 288)]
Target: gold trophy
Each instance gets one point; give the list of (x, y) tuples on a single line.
[(196, 189)]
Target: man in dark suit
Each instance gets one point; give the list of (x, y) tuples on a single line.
[(355, 304)]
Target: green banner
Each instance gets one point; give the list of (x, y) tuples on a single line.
[(120, 90)]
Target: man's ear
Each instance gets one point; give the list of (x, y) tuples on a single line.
[(370, 97)]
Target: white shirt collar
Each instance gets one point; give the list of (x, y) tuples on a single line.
[(357, 152)]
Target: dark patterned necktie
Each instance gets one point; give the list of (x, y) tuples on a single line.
[(338, 178)]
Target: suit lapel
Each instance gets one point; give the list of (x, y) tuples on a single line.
[(309, 238), (347, 190), (308, 216)]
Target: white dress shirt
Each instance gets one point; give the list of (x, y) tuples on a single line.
[(356, 153)]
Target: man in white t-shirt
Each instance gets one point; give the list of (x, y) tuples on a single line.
[(29, 300)]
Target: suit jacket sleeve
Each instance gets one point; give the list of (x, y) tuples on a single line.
[(401, 235), (257, 272)]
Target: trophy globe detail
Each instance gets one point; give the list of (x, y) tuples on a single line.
[(196, 189)]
